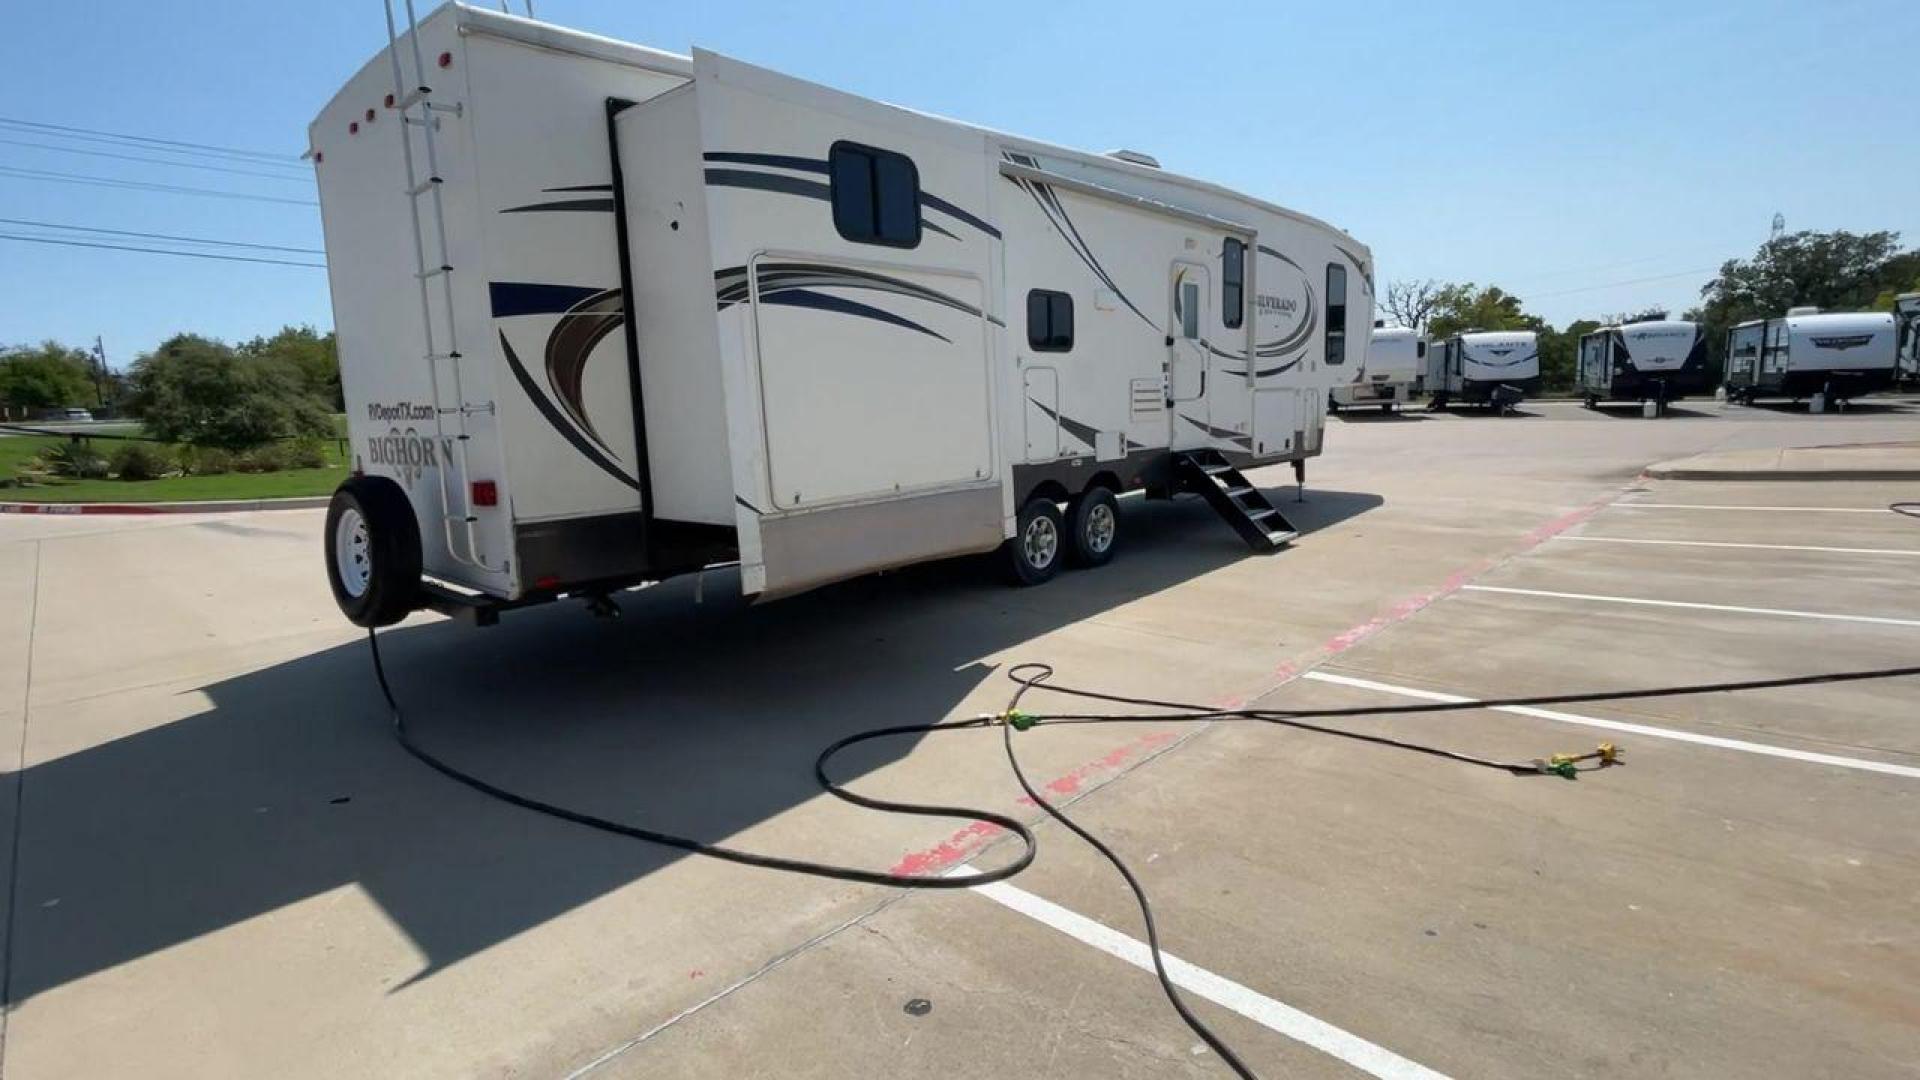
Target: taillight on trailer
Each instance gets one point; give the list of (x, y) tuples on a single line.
[(486, 493)]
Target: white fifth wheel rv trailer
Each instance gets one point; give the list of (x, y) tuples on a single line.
[(1833, 357), (1495, 368), (1394, 358), (608, 314), (1657, 360), (1906, 310)]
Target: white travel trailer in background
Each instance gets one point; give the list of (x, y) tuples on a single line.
[(1906, 310), (1657, 360), (608, 314), (1495, 368), (1394, 359), (1827, 358)]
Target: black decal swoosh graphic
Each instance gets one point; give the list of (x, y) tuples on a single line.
[(794, 185), (1218, 433), (1084, 432), (512, 298), (534, 394), (759, 181), (806, 298), (958, 214), (1366, 272), (1056, 215), (584, 326), (731, 286), (1296, 340), (820, 166), (772, 161), (579, 187), (604, 206)]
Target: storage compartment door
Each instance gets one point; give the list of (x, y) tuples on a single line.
[(874, 382)]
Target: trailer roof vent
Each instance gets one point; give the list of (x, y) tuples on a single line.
[(1804, 309), (1135, 157)]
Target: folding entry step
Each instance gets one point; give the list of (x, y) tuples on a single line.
[(1210, 475)]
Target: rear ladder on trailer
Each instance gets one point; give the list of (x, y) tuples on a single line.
[(1208, 474), (419, 112)]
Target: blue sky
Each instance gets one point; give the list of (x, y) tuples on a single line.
[(1552, 149)]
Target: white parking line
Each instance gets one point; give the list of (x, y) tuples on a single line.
[(1862, 764), (1877, 620), (1768, 509), (1727, 544), (1261, 1009)]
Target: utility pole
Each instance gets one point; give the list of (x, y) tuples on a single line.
[(100, 370)]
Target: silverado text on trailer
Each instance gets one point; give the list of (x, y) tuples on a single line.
[(608, 314)]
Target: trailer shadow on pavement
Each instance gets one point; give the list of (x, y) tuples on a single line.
[(699, 719)]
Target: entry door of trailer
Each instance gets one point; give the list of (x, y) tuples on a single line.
[(1190, 302)]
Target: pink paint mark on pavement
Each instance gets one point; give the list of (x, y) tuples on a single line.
[(962, 844)]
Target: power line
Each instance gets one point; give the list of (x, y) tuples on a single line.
[(229, 151), (157, 251), (157, 161), (1618, 284), (106, 181), (161, 236), (200, 154)]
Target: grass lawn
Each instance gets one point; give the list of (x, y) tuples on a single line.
[(16, 451)]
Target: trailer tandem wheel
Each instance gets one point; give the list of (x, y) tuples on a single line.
[(373, 551), (1038, 543), (1093, 526)]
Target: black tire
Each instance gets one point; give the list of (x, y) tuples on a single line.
[(1093, 527), (1038, 545), (372, 514), (1387, 408)]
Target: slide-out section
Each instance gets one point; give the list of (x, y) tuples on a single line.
[(855, 328)]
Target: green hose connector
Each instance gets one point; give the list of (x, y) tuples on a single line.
[(1018, 720), (1562, 768)]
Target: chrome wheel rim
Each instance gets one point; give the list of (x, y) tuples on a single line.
[(352, 553), (1101, 525), (1040, 542)]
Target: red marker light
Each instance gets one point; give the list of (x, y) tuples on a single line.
[(353, 128), (369, 116), (446, 59), (486, 493), (389, 101)]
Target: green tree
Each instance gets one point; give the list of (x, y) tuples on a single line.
[(1839, 271), (309, 357), (202, 392), (45, 376), (1460, 308)]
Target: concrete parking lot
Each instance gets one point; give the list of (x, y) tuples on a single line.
[(221, 863)]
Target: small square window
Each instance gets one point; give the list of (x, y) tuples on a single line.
[(1190, 311), (876, 195), (1049, 321)]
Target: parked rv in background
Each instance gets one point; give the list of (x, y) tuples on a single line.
[(1906, 312), (1807, 355), (608, 314), (1496, 368), (1657, 361), (1395, 356)]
